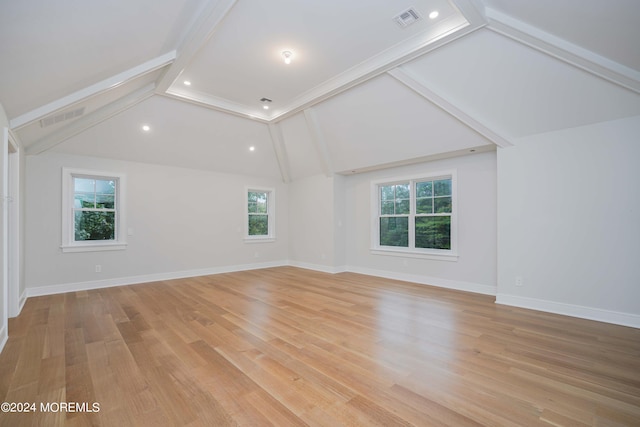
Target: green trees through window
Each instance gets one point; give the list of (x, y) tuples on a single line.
[(416, 214), (94, 209), (258, 213)]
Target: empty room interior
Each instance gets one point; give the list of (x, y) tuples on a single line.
[(320, 213)]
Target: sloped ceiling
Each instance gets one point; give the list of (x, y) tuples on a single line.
[(361, 91)]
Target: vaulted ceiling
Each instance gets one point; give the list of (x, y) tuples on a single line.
[(369, 84)]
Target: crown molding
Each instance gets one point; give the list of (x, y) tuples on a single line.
[(445, 31), (563, 50), (93, 90), (215, 103)]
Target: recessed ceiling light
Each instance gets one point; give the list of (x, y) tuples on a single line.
[(265, 103), (252, 148), (187, 83), (434, 14), (146, 128), (287, 55)]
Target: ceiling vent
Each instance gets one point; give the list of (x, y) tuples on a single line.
[(67, 115), (407, 17)]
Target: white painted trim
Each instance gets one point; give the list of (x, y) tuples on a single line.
[(408, 253), (563, 50), (277, 140), (93, 90), (14, 221), (589, 313), (317, 267), (457, 285), (438, 35), (198, 35), (271, 215), (21, 302), (413, 83), (214, 103), (132, 280), (435, 36), (4, 336), (68, 243), (411, 251), (318, 141), (90, 120)]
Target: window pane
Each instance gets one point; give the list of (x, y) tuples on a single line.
[(105, 201), (261, 205), (424, 189), (442, 204), (424, 206), (387, 208), (252, 197), (84, 185), (402, 207), (402, 191), (442, 187), (387, 193), (105, 186), (394, 231), (83, 201), (94, 225), (433, 232), (258, 225)]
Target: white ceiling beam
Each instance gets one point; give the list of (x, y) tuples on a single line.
[(318, 141), (563, 50), (93, 90), (201, 32), (281, 153), (90, 120), (405, 78)]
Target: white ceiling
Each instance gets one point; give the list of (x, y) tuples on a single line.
[(361, 92)]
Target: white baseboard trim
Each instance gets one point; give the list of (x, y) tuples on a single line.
[(457, 285), (132, 280), (4, 336), (21, 302), (589, 313), (317, 267)]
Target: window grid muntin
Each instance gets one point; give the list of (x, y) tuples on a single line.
[(113, 210), (412, 215)]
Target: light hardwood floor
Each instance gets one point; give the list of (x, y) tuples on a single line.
[(287, 346)]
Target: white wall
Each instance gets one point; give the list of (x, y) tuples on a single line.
[(185, 222), (569, 222), (311, 223), (475, 269)]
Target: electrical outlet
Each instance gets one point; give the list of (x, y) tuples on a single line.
[(519, 281), (98, 268)]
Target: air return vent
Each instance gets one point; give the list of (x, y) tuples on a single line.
[(67, 115), (407, 17)]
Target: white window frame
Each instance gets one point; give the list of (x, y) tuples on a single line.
[(411, 251), (271, 215), (69, 244)]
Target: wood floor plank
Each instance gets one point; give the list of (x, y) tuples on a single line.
[(292, 347)]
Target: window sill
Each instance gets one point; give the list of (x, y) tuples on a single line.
[(94, 247), (406, 253), (259, 239)]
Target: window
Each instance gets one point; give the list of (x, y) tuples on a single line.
[(260, 214), (415, 216), (92, 211)]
